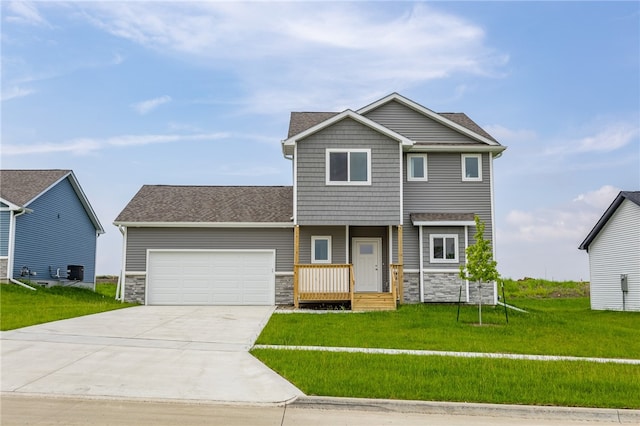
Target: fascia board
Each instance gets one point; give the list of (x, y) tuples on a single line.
[(10, 206), (205, 224), (497, 149), (444, 223), (355, 116), (431, 114)]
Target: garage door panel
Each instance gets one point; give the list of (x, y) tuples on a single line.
[(211, 277)]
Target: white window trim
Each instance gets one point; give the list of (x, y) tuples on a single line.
[(313, 248), (444, 236), (347, 182), (410, 168), (464, 168)]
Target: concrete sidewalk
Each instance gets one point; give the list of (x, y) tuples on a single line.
[(152, 352)]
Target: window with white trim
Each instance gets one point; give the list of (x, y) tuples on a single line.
[(321, 249), (417, 167), (471, 167), (444, 248), (348, 167)]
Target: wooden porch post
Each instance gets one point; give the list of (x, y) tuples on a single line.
[(401, 263), (296, 261)]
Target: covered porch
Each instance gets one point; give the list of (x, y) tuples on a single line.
[(365, 281)]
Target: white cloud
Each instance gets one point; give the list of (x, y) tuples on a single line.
[(16, 92), (604, 137), (507, 136), (83, 146), (145, 107), (543, 242), (302, 54), (25, 12)]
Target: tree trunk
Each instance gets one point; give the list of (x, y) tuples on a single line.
[(480, 301)]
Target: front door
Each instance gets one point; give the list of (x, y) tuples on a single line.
[(367, 264)]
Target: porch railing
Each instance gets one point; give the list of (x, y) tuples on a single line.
[(396, 281), (318, 282)]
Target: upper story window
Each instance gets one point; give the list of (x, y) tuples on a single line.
[(321, 249), (417, 167), (472, 167), (444, 248), (348, 167)]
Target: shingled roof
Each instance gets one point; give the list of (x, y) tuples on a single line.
[(301, 121), (633, 196), (209, 204), (22, 186)]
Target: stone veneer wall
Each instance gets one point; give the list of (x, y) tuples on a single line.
[(411, 287), (134, 288), (487, 293), (284, 289), (3, 270)]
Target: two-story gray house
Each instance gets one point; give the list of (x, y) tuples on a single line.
[(381, 210)]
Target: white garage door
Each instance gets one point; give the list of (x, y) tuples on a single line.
[(211, 278)]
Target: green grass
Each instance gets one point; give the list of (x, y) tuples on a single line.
[(21, 307), (552, 327), (435, 378), (537, 288)]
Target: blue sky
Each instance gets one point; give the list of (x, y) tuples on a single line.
[(133, 93)]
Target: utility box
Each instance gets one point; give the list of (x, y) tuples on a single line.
[(75, 272), (623, 283)]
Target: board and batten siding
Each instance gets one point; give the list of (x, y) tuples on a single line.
[(322, 204), (141, 239), (57, 233), (444, 192), (415, 125), (616, 251), (5, 228)]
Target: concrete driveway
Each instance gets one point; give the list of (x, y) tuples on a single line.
[(150, 352)]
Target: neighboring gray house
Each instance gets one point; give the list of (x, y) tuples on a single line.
[(48, 230), (382, 208), (614, 255)]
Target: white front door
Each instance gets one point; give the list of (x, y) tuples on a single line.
[(367, 264)]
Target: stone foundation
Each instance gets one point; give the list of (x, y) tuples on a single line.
[(443, 287), (487, 293), (134, 287), (3, 270), (411, 287), (284, 289)]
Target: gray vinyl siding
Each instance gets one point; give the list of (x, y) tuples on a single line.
[(427, 231), (57, 233), (338, 246), (141, 239), (444, 192), (415, 125), (322, 204), (5, 222)]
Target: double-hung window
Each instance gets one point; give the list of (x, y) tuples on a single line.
[(321, 249), (444, 248), (417, 167), (471, 167), (348, 167)]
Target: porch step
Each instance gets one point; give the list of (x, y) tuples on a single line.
[(373, 302)]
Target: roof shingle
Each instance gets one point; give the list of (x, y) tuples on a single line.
[(21, 186), (243, 204)]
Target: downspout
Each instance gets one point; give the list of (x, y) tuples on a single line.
[(12, 236), (420, 239), (493, 226), (466, 245), (120, 286)]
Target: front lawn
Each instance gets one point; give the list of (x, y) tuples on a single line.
[(552, 327), (21, 307)]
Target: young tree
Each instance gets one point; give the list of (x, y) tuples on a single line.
[(480, 266)]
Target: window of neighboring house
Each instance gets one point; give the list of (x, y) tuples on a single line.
[(320, 249), (417, 167), (472, 167), (348, 167), (444, 248)]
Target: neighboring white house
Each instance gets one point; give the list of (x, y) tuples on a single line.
[(614, 255)]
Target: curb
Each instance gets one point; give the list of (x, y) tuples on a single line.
[(469, 409)]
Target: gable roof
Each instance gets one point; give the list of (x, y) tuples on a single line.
[(22, 187), (303, 124), (633, 196), (166, 205), (289, 143)]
